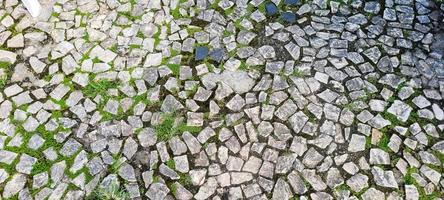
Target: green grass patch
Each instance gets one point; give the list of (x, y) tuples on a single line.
[(42, 165), (99, 88), (185, 179), (55, 14), (243, 66), (383, 142), (168, 129), (173, 189), (175, 68), (165, 130), (141, 98), (135, 46), (298, 73), (342, 187), (131, 17), (114, 191), (96, 60), (171, 164), (193, 29), (114, 167), (409, 180), (4, 73), (261, 7), (176, 13), (140, 34)]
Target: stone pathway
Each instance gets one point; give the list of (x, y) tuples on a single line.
[(222, 99)]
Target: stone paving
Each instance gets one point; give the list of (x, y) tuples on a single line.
[(222, 99)]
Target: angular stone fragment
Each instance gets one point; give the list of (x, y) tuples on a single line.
[(157, 191), (238, 81), (25, 164), (207, 189), (297, 121), (170, 104), (293, 49), (400, 110), (297, 183), (192, 143), (357, 182), (373, 54), (384, 178), (357, 143), (314, 180), (7, 56), (281, 190), (379, 157), (14, 185)]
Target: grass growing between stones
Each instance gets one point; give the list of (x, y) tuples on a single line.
[(165, 130), (100, 87), (112, 192), (168, 128), (384, 141), (185, 179), (4, 70), (175, 68), (410, 180), (170, 163), (118, 161)]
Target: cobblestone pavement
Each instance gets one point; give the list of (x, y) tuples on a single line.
[(222, 99)]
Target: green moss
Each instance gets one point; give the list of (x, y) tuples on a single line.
[(56, 114), (193, 90), (368, 142), (4, 64), (414, 118), (61, 103), (391, 99), (86, 37), (49, 138), (311, 117)]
